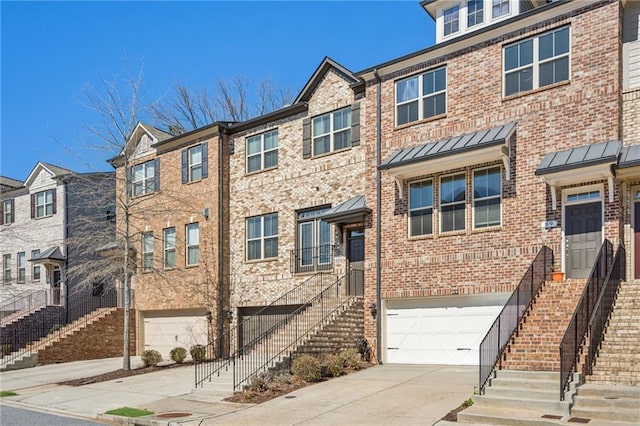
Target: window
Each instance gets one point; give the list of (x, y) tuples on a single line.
[(145, 178), (536, 62), (500, 8), (6, 267), (451, 20), (313, 245), (452, 203), (475, 12), (332, 131), (262, 151), (43, 204), (421, 208), (262, 237), (22, 267), (35, 268), (582, 196), (195, 163), (193, 244), (147, 251), (421, 96), (169, 247), (487, 192), (8, 214)]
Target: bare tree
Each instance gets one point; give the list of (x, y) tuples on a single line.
[(184, 109)]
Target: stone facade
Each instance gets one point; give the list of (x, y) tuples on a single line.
[(296, 184), (581, 111)]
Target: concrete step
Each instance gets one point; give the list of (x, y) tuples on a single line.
[(492, 416)]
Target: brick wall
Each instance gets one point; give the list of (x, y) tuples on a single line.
[(295, 184), (583, 111), (101, 339)]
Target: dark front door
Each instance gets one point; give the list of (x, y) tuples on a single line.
[(56, 287), (583, 237), (355, 255), (636, 240)]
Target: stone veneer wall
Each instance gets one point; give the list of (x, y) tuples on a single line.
[(582, 111), (295, 184)]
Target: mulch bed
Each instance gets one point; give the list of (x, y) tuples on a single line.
[(121, 373)]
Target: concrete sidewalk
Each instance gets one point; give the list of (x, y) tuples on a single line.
[(390, 394)]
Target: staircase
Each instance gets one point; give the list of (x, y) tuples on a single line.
[(535, 346), (618, 359), (608, 403)]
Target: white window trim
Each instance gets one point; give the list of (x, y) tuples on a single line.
[(440, 204), (34, 266), (189, 244), (536, 62), (332, 132), (409, 210), (146, 268), (262, 151), (6, 267), (191, 166), (473, 201), (21, 255), (144, 178), (261, 238), (501, 17), (461, 25), (420, 99), (7, 212), (166, 249), (466, 17), (45, 204), (577, 190)]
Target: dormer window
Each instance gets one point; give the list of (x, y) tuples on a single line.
[(451, 20), (499, 8), (475, 12)]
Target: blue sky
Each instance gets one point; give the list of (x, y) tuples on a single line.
[(51, 51)]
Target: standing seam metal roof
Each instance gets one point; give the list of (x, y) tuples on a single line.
[(582, 156), (629, 157)]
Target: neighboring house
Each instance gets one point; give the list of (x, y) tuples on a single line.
[(297, 180), (47, 226), (172, 199), (497, 140)]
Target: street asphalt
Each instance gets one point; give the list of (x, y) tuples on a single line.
[(387, 394)]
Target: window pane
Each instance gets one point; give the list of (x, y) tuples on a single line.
[(342, 119), (254, 145), (196, 173), (270, 225), (138, 173), (511, 57), (408, 113), (306, 243), (170, 259), (270, 159), (271, 140), (195, 155), (453, 217), (150, 169), (421, 222), (420, 195), (562, 41), (487, 213), (452, 189), (170, 238), (253, 163), (486, 183), (271, 247), (554, 71), (193, 233), (321, 125), (474, 12), (254, 227), (321, 145), (545, 46), (193, 255), (407, 89), (254, 251), (342, 140), (526, 53)]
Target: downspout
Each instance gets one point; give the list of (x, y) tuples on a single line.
[(378, 222), (65, 227), (220, 236)]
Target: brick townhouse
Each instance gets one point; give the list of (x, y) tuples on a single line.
[(47, 223), (502, 137), (176, 225)]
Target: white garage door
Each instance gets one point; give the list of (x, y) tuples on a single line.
[(439, 330), (164, 333)]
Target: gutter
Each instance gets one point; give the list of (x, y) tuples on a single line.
[(378, 221)]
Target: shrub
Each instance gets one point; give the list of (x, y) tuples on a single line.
[(55, 327), (6, 349), (307, 368), (334, 364), (351, 359), (178, 354), (198, 353), (151, 358), (260, 382)]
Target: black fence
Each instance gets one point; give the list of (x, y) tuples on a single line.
[(312, 259), (39, 328), (22, 304), (506, 324), (576, 333)]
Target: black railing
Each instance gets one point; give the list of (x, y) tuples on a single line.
[(221, 351), (604, 306), (312, 259), (284, 337), (35, 331), (576, 333), (22, 304), (506, 324)]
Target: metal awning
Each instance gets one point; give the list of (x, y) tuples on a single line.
[(581, 164), (459, 151), (354, 210), (51, 255), (629, 162)]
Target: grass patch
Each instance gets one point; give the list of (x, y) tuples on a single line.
[(7, 393), (129, 412)]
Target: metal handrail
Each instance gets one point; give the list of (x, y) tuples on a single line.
[(604, 306), (287, 334), (576, 332), (221, 351), (22, 304), (39, 329), (311, 259), (506, 324)]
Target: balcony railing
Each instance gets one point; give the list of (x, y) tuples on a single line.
[(312, 259)]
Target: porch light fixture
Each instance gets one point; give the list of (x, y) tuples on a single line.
[(373, 309), (229, 314)]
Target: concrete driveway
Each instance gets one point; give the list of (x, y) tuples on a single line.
[(380, 395)]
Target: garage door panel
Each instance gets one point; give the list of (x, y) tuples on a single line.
[(165, 333), (450, 334)]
